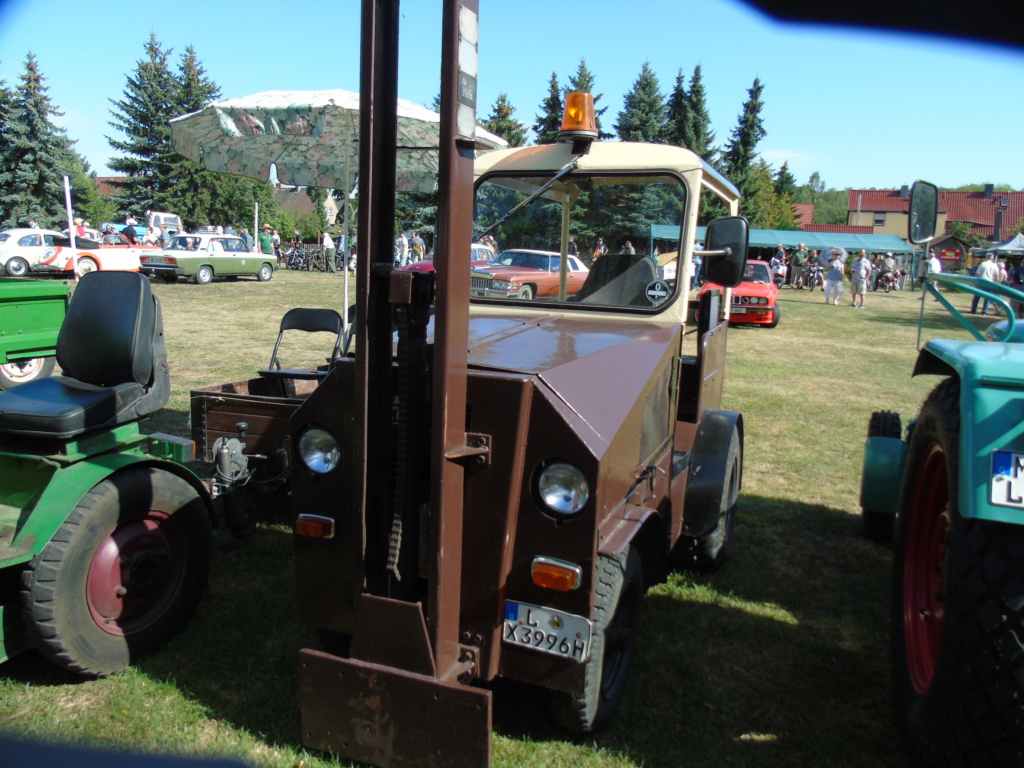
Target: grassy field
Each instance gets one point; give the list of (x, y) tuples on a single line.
[(779, 660)]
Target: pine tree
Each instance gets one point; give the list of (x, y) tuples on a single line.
[(643, 110), (502, 123), (6, 132), (150, 101), (697, 134), (37, 156), (550, 119), (785, 182), (676, 112), (191, 189), (740, 151), (583, 82)]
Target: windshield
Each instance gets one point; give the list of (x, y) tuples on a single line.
[(756, 273), (622, 242)]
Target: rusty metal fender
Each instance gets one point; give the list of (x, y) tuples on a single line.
[(708, 470)]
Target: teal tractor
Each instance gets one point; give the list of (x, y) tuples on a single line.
[(950, 492), (105, 537)]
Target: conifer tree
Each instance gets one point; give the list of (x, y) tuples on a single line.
[(150, 101), (37, 155), (502, 123), (739, 153), (697, 134), (676, 112), (583, 82), (643, 109), (6, 132), (785, 182), (550, 119)]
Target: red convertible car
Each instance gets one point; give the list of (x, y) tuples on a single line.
[(755, 300)]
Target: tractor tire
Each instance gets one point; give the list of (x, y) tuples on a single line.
[(618, 593), (17, 267), (877, 526), (708, 553), (957, 609), (121, 575), (22, 371)]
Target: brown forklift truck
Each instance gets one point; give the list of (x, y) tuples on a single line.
[(487, 487)]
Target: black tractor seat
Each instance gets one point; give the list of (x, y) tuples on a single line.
[(111, 351)]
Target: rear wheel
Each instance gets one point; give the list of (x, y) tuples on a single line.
[(204, 275), (169, 278), (121, 575), (87, 265), (878, 525), (618, 592), (17, 267), (958, 608), (18, 372)]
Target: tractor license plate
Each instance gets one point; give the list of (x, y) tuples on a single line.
[(553, 632), (1007, 487), (738, 311)]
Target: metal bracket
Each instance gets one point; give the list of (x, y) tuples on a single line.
[(476, 446)]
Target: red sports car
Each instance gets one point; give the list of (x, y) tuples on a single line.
[(755, 300)]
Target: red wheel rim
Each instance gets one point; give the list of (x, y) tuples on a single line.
[(924, 566), (135, 574)]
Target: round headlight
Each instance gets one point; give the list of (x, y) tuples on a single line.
[(563, 488), (319, 450)]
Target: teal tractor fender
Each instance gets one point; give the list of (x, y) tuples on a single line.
[(59, 489), (991, 375), (880, 481)]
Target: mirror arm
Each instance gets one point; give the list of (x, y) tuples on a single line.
[(727, 251)]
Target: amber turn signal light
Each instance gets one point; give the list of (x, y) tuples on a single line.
[(556, 574), (578, 120), (314, 526)]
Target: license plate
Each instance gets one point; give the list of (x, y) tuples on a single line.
[(738, 311), (559, 634), (1007, 487)]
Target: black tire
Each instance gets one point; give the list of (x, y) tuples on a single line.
[(878, 526), (266, 273), (957, 609), (618, 593), (121, 575), (169, 278), (17, 267), (21, 371), (708, 553), (527, 292), (204, 275), (776, 316)]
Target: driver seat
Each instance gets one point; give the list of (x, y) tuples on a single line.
[(111, 351)]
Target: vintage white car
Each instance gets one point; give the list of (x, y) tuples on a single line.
[(45, 250)]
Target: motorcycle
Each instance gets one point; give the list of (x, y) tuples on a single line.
[(814, 277), (888, 281)]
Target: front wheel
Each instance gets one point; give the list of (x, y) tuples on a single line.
[(618, 593), (526, 293), (957, 608), (204, 275), (877, 525), (17, 267), (776, 316), (121, 575), (21, 371), (266, 273)]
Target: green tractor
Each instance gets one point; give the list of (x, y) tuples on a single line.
[(950, 492), (105, 538)]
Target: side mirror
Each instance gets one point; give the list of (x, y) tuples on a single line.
[(725, 250), (924, 212)]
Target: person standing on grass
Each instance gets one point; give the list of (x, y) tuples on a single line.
[(266, 241), (330, 253), (860, 273), (988, 270), (797, 264), (834, 280)]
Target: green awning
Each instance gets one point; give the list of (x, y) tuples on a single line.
[(791, 238)]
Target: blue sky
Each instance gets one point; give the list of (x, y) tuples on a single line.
[(863, 109)]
